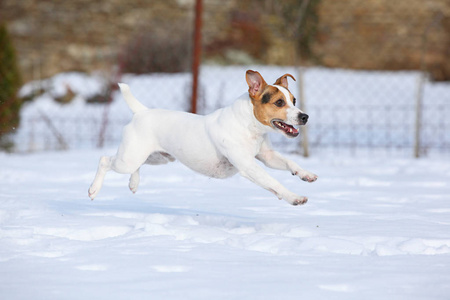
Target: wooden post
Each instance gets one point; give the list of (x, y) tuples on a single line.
[(418, 120), (421, 82), (196, 55), (302, 106)]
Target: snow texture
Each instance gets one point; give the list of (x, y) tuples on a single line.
[(372, 229)]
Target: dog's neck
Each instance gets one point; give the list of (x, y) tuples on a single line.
[(243, 109)]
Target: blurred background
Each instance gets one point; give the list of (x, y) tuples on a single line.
[(374, 75)]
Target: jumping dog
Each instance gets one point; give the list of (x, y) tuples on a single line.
[(217, 145)]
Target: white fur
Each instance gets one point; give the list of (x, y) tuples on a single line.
[(218, 145), (292, 111)]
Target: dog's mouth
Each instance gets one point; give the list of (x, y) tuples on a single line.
[(287, 129)]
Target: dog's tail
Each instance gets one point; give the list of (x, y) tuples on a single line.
[(132, 102)]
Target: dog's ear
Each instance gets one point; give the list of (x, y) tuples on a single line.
[(256, 83), (283, 80)]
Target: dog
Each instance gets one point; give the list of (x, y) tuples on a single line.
[(219, 145)]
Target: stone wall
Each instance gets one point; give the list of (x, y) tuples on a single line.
[(54, 36), (385, 34)]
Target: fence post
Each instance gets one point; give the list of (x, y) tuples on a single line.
[(196, 53), (419, 107), (437, 18), (302, 105), (108, 94), (54, 130)]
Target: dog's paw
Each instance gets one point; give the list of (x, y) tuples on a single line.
[(295, 199), (92, 192), (133, 185), (134, 182), (307, 176), (300, 201)]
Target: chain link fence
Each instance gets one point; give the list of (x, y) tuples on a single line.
[(351, 111)]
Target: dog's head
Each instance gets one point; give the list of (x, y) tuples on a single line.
[(274, 105)]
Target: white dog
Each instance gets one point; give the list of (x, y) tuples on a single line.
[(218, 145)]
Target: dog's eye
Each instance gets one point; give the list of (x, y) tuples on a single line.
[(294, 101), (279, 103)]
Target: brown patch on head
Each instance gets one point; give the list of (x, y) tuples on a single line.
[(272, 105), (269, 102)]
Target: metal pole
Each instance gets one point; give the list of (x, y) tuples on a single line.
[(196, 53)]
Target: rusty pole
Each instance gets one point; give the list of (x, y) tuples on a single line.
[(196, 53)]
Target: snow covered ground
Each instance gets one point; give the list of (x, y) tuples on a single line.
[(372, 229)]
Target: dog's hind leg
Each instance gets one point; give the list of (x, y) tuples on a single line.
[(103, 166), (133, 151), (156, 158), (134, 181), (120, 165), (124, 163)]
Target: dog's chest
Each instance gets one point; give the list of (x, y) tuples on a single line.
[(222, 169)]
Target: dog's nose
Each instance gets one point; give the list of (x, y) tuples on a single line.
[(303, 118)]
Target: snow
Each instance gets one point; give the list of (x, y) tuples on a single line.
[(373, 228)]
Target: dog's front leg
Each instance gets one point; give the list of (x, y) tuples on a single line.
[(275, 160), (249, 169)]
